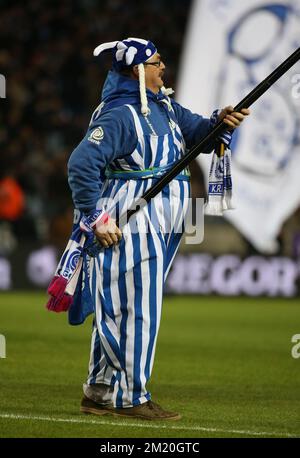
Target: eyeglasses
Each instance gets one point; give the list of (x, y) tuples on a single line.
[(156, 64)]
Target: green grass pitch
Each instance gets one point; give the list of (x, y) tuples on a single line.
[(224, 363)]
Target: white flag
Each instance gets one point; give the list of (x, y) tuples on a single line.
[(230, 47)]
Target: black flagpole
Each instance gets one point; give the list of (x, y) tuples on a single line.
[(210, 139)]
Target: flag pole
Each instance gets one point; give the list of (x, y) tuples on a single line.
[(210, 139)]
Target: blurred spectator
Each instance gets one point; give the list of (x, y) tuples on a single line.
[(11, 199)]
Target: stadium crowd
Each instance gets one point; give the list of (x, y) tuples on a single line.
[(53, 84)]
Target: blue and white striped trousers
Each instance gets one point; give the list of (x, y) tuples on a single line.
[(127, 282)]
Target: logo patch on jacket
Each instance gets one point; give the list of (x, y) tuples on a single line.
[(96, 135)]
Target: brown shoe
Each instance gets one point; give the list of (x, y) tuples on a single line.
[(89, 406), (147, 411)]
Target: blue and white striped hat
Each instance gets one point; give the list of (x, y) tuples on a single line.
[(128, 52)]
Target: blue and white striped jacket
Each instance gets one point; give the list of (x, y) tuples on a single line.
[(120, 138)]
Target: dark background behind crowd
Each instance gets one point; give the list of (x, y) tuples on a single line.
[(53, 83)]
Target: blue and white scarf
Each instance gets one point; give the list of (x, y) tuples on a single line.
[(69, 288), (220, 182)]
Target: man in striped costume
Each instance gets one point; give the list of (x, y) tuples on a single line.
[(135, 135)]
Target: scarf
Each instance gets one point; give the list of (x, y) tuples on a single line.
[(64, 282), (220, 182), (69, 289)]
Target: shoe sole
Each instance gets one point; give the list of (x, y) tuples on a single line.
[(91, 410), (140, 417)]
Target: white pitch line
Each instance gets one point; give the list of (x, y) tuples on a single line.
[(146, 425)]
